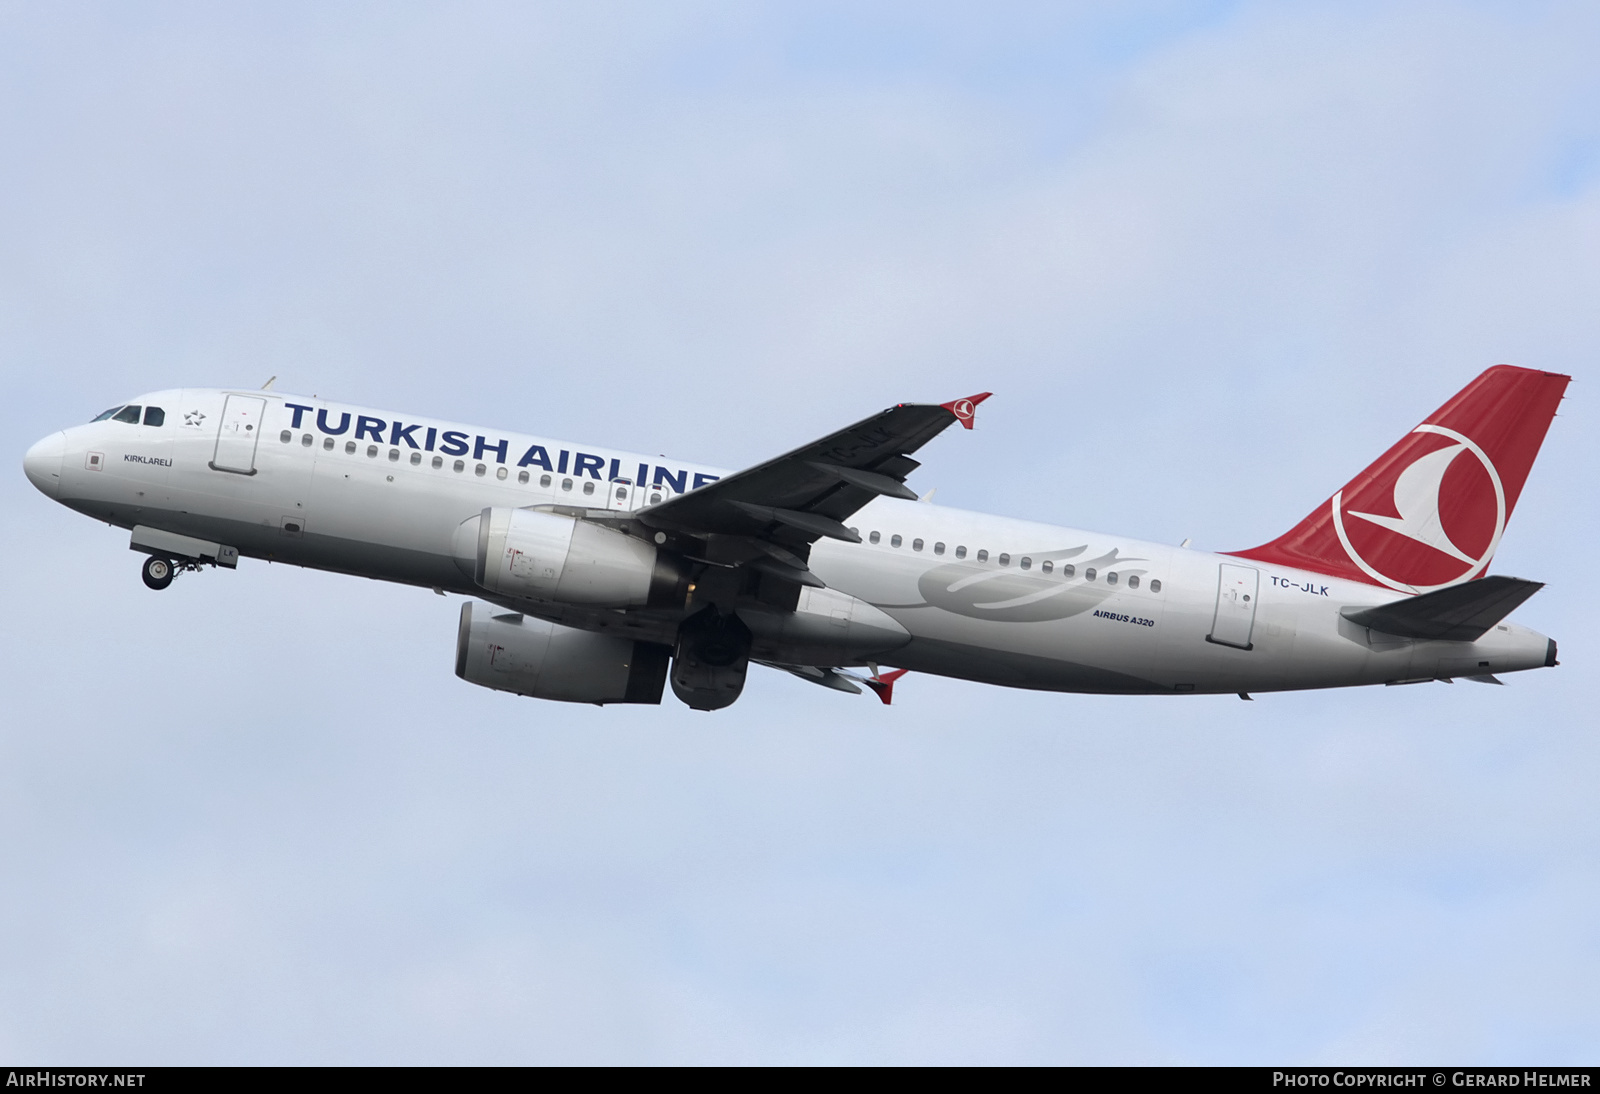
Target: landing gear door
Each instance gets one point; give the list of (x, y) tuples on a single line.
[(1236, 606), (238, 433)]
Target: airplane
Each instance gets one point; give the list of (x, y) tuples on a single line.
[(597, 575)]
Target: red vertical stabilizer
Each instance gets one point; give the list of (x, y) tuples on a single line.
[(1430, 511)]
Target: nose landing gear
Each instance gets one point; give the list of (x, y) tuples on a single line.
[(157, 572)]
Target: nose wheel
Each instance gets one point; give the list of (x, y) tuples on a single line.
[(157, 572)]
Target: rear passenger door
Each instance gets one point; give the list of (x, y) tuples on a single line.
[(1235, 617)]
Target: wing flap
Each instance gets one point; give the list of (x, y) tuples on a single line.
[(1460, 613)]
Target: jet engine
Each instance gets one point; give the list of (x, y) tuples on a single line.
[(528, 656), (547, 556)]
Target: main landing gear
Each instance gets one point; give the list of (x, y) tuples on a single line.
[(158, 572)]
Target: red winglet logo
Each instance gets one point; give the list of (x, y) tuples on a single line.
[(964, 409), (883, 686), (1430, 512)]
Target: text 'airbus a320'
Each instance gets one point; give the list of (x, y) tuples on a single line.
[(599, 575)]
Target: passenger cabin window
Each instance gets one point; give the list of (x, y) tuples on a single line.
[(1133, 581), (983, 556), (938, 548), (566, 484), (544, 481), (1155, 585), (873, 537), (655, 499), (104, 414), (622, 493), (372, 451), (438, 462), (895, 540), (154, 415), (129, 414), (916, 545), (394, 455), (1111, 577), (285, 436), (522, 477), (1026, 563), (459, 466), (479, 470), (961, 552), (1046, 566), (1005, 559), (1088, 575), (500, 473), (305, 440), (349, 448), (588, 488), (416, 459), (1068, 570), (327, 444)]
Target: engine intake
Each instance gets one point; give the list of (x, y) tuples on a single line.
[(528, 656), (548, 556)]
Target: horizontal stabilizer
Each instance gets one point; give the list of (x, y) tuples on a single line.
[(1461, 613)]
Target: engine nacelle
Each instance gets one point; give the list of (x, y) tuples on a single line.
[(528, 656), (548, 556)]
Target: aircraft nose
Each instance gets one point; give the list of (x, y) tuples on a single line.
[(42, 464)]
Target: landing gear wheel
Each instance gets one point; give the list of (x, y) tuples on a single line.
[(157, 572)]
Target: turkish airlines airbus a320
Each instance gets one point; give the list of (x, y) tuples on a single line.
[(600, 574)]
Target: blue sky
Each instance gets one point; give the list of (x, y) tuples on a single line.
[(1212, 258)]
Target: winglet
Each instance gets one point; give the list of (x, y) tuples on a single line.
[(883, 686), (964, 409)]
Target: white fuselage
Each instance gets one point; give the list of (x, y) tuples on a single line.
[(984, 598)]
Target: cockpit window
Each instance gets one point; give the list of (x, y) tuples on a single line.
[(154, 415), (129, 414), (104, 414)]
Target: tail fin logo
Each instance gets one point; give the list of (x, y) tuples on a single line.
[(1416, 499)]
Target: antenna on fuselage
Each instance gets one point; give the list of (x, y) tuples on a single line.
[(268, 385)]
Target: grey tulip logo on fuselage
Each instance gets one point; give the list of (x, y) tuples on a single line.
[(1010, 594)]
